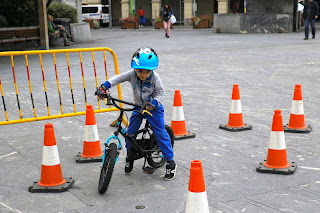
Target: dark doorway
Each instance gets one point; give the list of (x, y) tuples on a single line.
[(116, 12), (178, 9), (146, 6)]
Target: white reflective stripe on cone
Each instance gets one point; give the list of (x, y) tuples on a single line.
[(177, 113), (235, 107), (277, 140), (50, 156), (91, 133), (297, 107), (197, 202)]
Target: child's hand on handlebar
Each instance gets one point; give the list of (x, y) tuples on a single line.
[(150, 106), (101, 92)]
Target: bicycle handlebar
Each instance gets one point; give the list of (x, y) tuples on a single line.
[(112, 101)]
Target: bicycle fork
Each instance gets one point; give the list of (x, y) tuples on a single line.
[(116, 140)]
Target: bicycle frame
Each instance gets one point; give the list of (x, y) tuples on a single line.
[(129, 138), (145, 147)]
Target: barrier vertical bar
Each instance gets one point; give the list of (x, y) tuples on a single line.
[(116, 67), (44, 84), (84, 83), (15, 85), (74, 106), (56, 71), (105, 64), (95, 75), (4, 104), (28, 73)]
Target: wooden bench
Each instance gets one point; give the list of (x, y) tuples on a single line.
[(9, 34), (20, 35)]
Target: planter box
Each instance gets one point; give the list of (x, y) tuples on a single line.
[(130, 25), (158, 25), (202, 24)]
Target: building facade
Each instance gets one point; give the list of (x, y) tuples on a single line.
[(281, 13), (183, 9)]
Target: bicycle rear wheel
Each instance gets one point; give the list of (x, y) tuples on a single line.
[(107, 168), (156, 160)]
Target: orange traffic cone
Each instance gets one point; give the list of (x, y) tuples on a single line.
[(197, 196), (91, 146), (51, 176), (178, 123), (235, 122), (277, 162), (296, 121)]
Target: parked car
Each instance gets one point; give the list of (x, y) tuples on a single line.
[(99, 12)]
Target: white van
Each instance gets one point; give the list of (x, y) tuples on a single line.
[(98, 11)]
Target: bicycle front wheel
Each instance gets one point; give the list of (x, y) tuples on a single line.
[(107, 168)]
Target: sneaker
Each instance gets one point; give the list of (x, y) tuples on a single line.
[(66, 44), (305, 39), (129, 167), (313, 37), (171, 168)]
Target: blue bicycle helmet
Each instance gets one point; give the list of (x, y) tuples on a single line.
[(145, 58)]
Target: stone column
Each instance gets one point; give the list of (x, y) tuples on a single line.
[(125, 8), (79, 9), (156, 8), (188, 11), (223, 6)]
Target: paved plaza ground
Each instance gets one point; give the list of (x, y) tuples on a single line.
[(204, 66)]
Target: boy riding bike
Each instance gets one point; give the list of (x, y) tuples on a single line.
[(147, 90)]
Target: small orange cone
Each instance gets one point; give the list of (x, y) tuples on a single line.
[(91, 146), (235, 122), (51, 175), (277, 162), (178, 123), (296, 121), (197, 196)]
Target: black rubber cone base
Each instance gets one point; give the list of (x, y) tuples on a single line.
[(286, 171), (306, 130), (235, 129), (35, 188), (181, 137), (80, 159)]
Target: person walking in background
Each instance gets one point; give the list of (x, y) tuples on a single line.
[(166, 12), (310, 14), (141, 17)]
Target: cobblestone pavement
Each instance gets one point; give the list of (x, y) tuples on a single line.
[(203, 66)]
